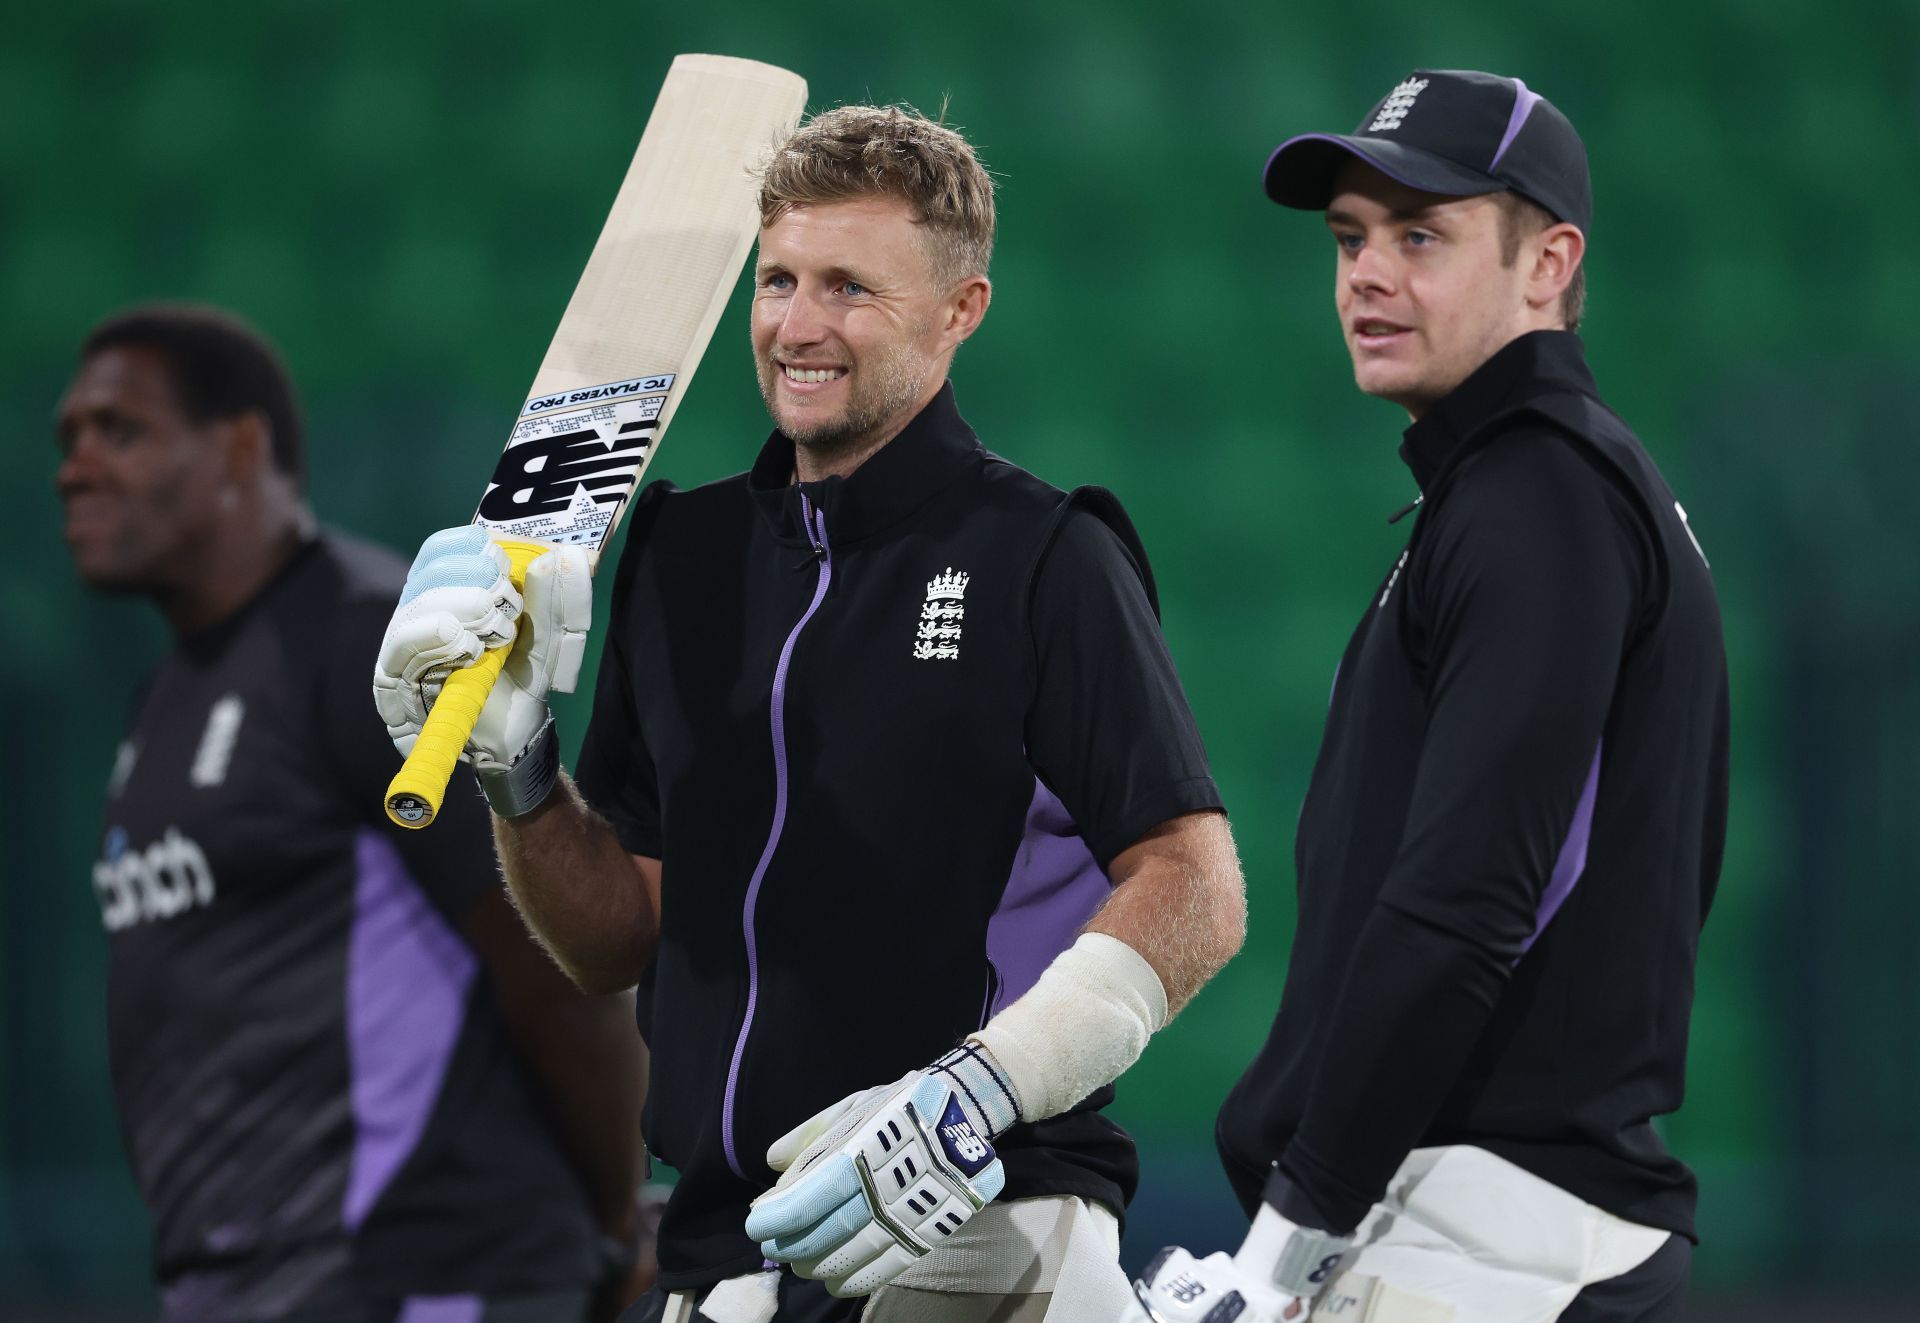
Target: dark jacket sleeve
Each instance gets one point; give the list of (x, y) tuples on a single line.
[(1525, 588)]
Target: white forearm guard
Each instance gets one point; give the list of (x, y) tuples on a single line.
[(1087, 1019)]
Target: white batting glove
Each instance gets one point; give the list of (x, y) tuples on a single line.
[(1274, 1277), (885, 1176), (458, 602)]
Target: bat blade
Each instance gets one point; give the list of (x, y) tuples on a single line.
[(623, 355)]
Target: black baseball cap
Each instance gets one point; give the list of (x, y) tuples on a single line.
[(1448, 131)]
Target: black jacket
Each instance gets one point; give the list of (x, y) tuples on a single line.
[(884, 734), (1514, 828)]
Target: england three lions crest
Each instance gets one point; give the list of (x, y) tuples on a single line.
[(938, 638)]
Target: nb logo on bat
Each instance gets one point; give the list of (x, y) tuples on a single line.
[(542, 475)]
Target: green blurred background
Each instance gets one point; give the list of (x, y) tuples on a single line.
[(402, 196)]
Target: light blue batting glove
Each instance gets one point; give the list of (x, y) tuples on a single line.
[(885, 1176)]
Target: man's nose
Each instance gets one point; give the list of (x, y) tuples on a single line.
[(1372, 271), (802, 323), (79, 465)]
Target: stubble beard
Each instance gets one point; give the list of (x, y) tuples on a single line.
[(882, 390)]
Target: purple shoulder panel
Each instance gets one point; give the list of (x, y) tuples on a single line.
[(1054, 888)]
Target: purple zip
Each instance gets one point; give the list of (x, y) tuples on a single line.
[(815, 524)]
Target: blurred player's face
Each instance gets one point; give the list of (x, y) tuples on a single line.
[(140, 482), (1423, 295), (851, 334)]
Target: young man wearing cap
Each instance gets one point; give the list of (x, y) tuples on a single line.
[(1514, 828)]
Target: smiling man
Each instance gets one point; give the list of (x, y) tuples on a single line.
[(891, 801), (1514, 829)]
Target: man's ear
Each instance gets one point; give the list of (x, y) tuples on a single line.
[(965, 307), (248, 440), (1558, 251)]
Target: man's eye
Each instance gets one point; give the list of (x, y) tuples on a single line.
[(1420, 238), (854, 287), (1349, 243), (777, 280)]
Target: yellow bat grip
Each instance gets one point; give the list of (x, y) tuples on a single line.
[(417, 790)]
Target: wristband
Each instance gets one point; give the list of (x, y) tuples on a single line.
[(1079, 1027), (528, 780)]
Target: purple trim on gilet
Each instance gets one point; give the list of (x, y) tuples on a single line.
[(1573, 855), (408, 974), (1055, 887), (1523, 104), (816, 523), (442, 1309)]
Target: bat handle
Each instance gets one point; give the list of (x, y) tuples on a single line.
[(417, 790)]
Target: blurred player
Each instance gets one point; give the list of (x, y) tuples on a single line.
[(1514, 829), (904, 809), (352, 1088)]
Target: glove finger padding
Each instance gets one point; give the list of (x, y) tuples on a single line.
[(795, 1151), (827, 1235), (891, 1263), (463, 572), (898, 1171), (557, 613), (862, 1266), (416, 656), (558, 608), (791, 1213), (546, 655), (459, 600)]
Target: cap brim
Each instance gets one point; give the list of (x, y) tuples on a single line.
[(1301, 171)]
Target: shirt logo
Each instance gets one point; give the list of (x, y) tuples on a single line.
[(216, 742), (1398, 103), (123, 760), (168, 878), (939, 636)]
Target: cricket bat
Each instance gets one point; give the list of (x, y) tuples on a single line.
[(626, 348)]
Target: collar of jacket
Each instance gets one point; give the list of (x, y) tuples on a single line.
[(1539, 363), (930, 452)]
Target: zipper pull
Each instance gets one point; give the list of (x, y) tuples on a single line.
[(1406, 509), (806, 521)]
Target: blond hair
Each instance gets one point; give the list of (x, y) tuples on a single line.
[(853, 152)]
